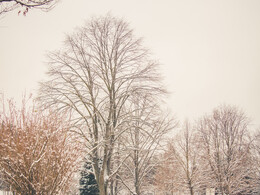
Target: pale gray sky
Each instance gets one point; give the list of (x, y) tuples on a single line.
[(209, 50)]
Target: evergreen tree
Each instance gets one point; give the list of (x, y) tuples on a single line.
[(88, 183)]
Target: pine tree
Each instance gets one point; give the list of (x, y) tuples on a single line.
[(88, 183)]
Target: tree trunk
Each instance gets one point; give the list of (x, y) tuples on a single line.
[(102, 186), (111, 187), (191, 191), (136, 159)]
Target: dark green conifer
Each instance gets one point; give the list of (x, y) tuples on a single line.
[(88, 183)]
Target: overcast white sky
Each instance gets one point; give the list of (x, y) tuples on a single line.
[(209, 50)]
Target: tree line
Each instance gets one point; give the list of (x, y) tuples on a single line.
[(219, 151), (103, 105)]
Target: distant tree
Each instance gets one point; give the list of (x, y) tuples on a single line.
[(226, 148), (256, 158), (37, 153), (88, 183), (184, 152), (10, 5), (143, 141), (165, 179), (181, 169)]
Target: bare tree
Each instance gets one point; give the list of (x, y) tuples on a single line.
[(182, 163), (100, 67), (255, 157), (37, 153), (165, 175), (226, 148), (185, 153), (143, 141), (10, 5)]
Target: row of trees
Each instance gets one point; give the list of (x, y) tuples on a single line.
[(103, 102), (106, 82), (40, 155), (218, 152)]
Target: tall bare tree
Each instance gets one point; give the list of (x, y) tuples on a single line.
[(37, 153), (226, 148), (9, 5), (100, 67)]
